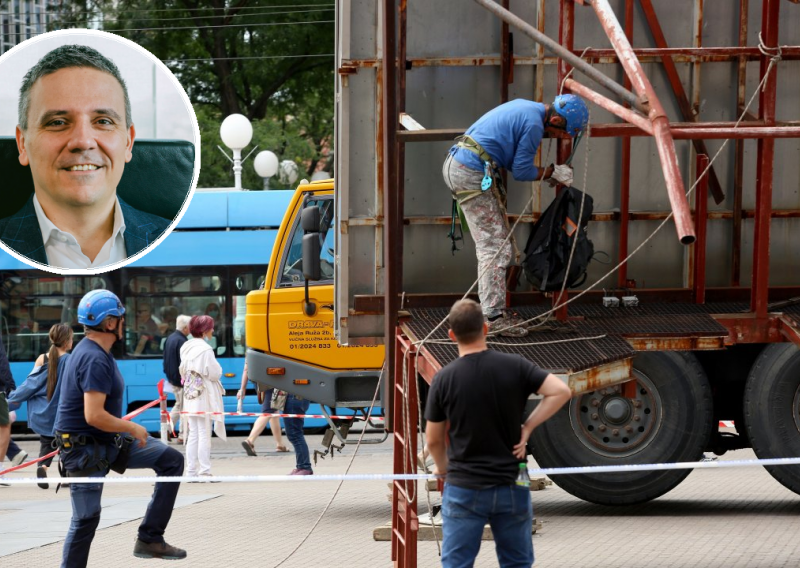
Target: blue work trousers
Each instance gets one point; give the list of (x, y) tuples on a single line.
[(294, 430), (506, 508), (156, 455)]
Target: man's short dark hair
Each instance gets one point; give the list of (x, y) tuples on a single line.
[(466, 321), (65, 57)]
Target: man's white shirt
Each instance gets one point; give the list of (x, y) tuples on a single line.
[(63, 250)]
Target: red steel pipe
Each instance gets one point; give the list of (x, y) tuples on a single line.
[(759, 298), (701, 225), (624, 113), (662, 135), (625, 174), (687, 131)]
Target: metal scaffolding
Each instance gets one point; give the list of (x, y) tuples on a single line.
[(639, 106)]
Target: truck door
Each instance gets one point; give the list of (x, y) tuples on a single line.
[(294, 334)]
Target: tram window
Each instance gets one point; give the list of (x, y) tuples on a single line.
[(244, 283), (30, 306), (167, 284), (151, 319)]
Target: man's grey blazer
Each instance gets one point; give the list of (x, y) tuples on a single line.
[(21, 230)]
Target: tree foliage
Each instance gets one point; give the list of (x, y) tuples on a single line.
[(266, 59)]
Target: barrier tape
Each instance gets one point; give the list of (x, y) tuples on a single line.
[(128, 416), (415, 476), (274, 414)]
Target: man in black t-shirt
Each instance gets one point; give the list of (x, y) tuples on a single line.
[(482, 396)]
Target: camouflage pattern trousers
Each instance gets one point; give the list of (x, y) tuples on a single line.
[(488, 230)]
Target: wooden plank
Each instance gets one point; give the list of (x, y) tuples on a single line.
[(383, 533)]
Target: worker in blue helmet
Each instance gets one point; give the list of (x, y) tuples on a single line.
[(94, 439), (507, 137)]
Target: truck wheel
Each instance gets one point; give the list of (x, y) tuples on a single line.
[(772, 409), (669, 420)]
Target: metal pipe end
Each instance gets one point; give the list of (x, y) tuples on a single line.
[(688, 239)]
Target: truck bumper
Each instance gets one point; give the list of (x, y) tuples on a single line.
[(350, 388)]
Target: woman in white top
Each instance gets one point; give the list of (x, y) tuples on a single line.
[(202, 393)]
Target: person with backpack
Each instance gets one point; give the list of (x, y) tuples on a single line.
[(41, 390), (507, 136)]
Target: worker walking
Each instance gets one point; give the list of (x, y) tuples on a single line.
[(481, 397), (505, 137), (93, 438)]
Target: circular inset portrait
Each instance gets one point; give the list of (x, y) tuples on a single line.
[(99, 148)]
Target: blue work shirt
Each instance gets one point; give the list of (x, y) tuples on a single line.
[(90, 368), (510, 134), (41, 412)]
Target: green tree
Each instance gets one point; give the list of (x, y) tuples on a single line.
[(260, 58)]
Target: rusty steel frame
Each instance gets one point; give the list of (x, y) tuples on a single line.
[(757, 326)]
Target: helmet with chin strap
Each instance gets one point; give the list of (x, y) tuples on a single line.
[(97, 305), (574, 111)]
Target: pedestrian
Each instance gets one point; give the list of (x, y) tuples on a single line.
[(202, 394), (476, 402), (41, 389), (294, 431), (508, 136), (93, 437), (249, 444), (7, 385), (172, 361), (14, 453)]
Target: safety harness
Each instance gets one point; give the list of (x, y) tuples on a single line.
[(491, 180)]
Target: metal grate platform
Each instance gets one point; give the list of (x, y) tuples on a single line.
[(649, 320), (794, 313)]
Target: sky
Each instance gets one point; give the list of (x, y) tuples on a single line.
[(170, 117)]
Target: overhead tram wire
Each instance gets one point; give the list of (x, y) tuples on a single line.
[(208, 16), (249, 58), (180, 28), (195, 9)]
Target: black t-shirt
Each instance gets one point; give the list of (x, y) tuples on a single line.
[(483, 396), (90, 368)]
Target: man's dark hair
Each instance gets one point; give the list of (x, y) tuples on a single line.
[(466, 321), (65, 57)]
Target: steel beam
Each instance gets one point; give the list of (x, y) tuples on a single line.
[(701, 223), (663, 137), (680, 93), (765, 163), (618, 110), (625, 172), (562, 53)]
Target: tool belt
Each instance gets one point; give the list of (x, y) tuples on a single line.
[(67, 442)]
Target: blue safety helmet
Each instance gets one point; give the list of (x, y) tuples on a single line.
[(574, 110), (97, 305)]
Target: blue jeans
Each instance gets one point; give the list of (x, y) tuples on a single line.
[(294, 431), (85, 498), (507, 509)]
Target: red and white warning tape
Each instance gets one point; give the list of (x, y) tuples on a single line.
[(276, 414), (726, 424)]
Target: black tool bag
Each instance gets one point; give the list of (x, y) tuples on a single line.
[(548, 248)]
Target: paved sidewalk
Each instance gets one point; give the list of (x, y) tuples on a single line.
[(717, 518)]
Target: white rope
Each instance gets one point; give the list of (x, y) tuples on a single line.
[(125, 480), (346, 472)]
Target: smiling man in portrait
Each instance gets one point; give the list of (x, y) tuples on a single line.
[(76, 133)]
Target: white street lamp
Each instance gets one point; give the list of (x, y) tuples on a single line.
[(266, 165), (236, 133)]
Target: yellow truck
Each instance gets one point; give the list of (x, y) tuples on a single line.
[(289, 323)]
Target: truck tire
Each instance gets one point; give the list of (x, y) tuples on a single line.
[(670, 420), (772, 409)]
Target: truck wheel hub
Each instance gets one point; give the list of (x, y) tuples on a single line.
[(615, 426)]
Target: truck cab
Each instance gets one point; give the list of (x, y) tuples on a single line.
[(289, 324)]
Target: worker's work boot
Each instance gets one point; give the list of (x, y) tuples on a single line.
[(507, 325)]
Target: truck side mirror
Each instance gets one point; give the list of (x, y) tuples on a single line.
[(309, 219), (309, 222), (311, 254)]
